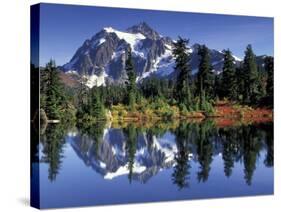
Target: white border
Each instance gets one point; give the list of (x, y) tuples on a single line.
[(14, 111)]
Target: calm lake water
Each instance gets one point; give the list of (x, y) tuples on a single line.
[(130, 163)]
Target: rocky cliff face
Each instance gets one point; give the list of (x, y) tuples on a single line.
[(101, 59)]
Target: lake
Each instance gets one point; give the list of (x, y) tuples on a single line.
[(114, 163)]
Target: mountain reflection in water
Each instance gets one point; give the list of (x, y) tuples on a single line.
[(141, 152)]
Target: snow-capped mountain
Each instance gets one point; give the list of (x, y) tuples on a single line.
[(101, 59)]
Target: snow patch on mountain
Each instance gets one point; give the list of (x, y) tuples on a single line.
[(101, 41), (74, 72), (97, 43), (237, 58), (162, 66), (96, 80), (130, 38), (117, 54), (165, 69)]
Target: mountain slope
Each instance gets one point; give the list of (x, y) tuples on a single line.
[(102, 58)]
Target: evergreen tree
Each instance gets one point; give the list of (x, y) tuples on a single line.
[(131, 83), (229, 76), (269, 66), (180, 52), (151, 87), (218, 90), (261, 84), (205, 74), (82, 97), (205, 77), (54, 91), (251, 92), (96, 108), (240, 79), (114, 94)]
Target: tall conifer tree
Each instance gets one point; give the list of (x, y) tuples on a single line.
[(269, 66), (229, 82), (96, 107), (180, 52), (251, 91), (205, 74), (55, 97), (131, 83)]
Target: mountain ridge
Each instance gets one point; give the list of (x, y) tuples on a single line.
[(101, 59)]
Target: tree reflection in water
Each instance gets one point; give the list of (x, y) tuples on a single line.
[(195, 143), (52, 141), (181, 172), (131, 134)]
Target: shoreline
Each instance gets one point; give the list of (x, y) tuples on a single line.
[(223, 115), (227, 112)]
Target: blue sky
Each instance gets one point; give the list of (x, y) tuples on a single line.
[(63, 28)]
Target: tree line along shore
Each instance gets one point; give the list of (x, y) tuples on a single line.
[(240, 91)]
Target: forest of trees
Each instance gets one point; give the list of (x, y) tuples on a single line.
[(55, 101), (247, 83)]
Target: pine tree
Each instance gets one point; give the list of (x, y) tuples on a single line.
[(96, 108), (180, 52), (55, 97), (205, 77), (269, 67), (229, 82), (218, 90), (261, 83), (205, 74), (240, 79), (251, 92), (82, 97), (131, 83)]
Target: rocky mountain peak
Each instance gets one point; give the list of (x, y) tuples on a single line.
[(102, 58), (144, 29)]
